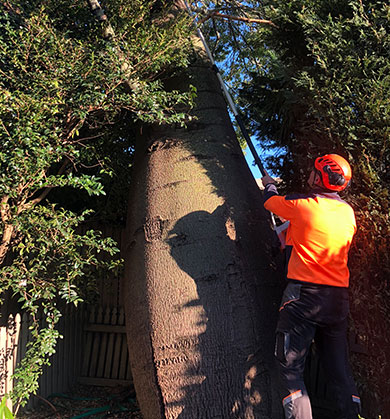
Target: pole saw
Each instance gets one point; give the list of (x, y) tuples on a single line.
[(279, 230), (229, 99)]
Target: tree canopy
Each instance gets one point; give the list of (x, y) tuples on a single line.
[(74, 81), (310, 76), (313, 78)]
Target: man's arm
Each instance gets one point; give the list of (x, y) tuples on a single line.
[(269, 184), (275, 203), (270, 190)]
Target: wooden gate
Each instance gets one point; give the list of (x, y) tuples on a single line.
[(105, 354)]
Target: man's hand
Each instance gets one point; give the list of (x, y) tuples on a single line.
[(267, 179)]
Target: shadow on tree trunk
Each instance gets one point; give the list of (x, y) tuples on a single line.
[(203, 287), (221, 295)]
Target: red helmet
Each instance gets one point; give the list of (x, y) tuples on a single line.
[(335, 171)]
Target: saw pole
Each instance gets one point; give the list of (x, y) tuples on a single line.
[(232, 107)]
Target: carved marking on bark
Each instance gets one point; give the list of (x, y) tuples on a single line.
[(154, 228), (170, 185), (233, 268), (198, 157), (195, 125), (182, 344), (131, 245), (209, 91), (207, 108), (172, 360), (162, 144)]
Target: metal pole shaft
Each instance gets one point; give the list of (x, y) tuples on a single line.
[(229, 99), (233, 107)]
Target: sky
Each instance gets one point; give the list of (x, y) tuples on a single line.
[(263, 153), (250, 160)]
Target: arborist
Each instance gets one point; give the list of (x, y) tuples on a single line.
[(315, 303)]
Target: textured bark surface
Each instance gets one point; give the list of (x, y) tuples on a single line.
[(202, 294)]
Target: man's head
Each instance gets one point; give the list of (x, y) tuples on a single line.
[(331, 172)]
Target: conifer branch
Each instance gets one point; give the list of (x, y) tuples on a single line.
[(238, 18)]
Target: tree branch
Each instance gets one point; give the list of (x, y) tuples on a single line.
[(100, 15), (8, 228), (109, 33), (46, 191), (239, 18)]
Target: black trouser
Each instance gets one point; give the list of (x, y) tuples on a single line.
[(318, 312)]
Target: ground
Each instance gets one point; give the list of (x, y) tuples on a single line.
[(86, 402)]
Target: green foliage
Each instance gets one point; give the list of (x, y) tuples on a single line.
[(71, 91), (320, 83), (324, 84), (5, 413)]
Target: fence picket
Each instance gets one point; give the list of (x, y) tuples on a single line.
[(80, 320), (88, 345), (8, 353), (14, 352), (117, 347), (47, 375), (69, 336), (23, 336), (11, 342), (18, 327), (110, 346), (96, 344), (103, 345), (58, 358), (3, 363), (124, 353)]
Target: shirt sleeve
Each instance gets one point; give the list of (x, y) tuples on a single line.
[(278, 204)]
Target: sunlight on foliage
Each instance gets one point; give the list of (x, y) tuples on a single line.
[(5, 413), (70, 93), (314, 82)]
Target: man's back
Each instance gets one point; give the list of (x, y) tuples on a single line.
[(321, 230)]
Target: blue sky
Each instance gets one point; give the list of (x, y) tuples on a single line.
[(250, 160)]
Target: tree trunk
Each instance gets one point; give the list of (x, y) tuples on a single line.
[(202, 291)]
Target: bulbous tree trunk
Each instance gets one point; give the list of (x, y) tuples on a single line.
[(202, 292)]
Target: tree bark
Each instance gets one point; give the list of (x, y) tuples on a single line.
[(202, 291)]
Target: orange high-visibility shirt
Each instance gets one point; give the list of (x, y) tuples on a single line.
[(321, 229)]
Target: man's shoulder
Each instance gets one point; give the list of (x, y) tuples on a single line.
[(335, 196), (316, 194), (295, 196)]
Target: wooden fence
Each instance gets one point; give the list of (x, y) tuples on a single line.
[(64, 364), (9, 343), (93, 351), (105, 356), (110, 287)]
